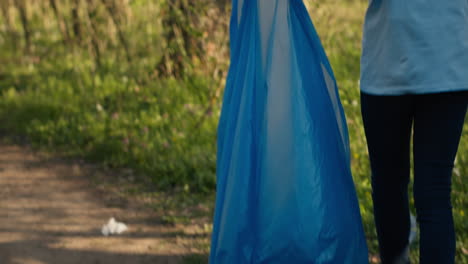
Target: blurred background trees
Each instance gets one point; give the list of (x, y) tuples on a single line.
[(96, 73), (174, 34), (138, 84)]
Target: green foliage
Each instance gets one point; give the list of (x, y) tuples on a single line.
[(109, 118), (121, 115)]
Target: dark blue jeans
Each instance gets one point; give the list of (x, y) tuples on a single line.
[(438, 123)]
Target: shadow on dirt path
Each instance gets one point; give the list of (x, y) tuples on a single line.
[(49, 213)]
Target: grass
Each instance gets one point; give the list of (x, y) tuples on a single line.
[(163, 129)]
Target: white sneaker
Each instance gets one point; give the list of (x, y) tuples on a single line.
[(404, 258), (413, 230)]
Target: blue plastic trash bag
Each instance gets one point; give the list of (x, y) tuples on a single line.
[(285, 194)]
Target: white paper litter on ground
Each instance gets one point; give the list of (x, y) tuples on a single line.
[(113, 228)]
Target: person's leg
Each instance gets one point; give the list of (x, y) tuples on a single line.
[(387, 123), (438, 126)]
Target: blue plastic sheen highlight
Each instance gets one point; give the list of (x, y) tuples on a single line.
[(285, 193)]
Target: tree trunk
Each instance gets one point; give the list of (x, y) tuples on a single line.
[(76, 20), (113, 12), (21, 6), (91, 9), (179, 21), (4, 5), (61, 22)]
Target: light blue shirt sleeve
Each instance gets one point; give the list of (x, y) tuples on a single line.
[(415, 47)]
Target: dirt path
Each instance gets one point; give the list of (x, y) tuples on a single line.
[(50, 213)]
